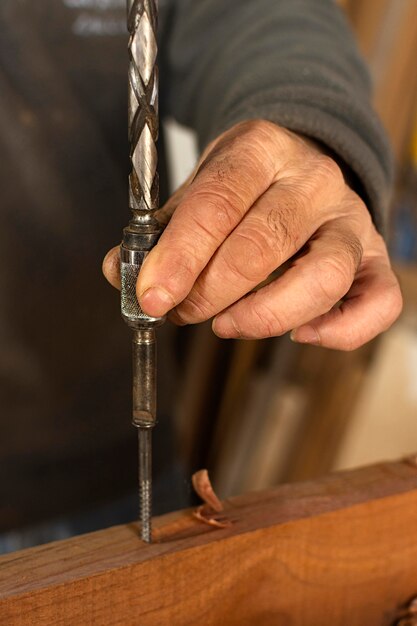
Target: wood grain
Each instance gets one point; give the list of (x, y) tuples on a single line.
[(339, 551)]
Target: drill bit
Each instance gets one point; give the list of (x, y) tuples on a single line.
[(142, 233)]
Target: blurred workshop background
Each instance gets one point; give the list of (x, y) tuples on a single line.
[(255, 413)]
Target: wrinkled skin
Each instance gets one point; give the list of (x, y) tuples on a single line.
[(261, 196)]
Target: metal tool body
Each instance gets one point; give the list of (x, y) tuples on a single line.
[(142, 232)]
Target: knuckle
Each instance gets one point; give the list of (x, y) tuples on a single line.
[(354, 251), (396, 302), (217, 211), (255, 141), (334, 279), (337, 269), (377, 243), (284, 225), (266, 322), (322, 184), (195, 308), (180, 275), (260, 245), (349, 251), (247, 146), (365, 218), (250, 256), (226, 203), (393, 304), (279, 227), (328, 169), (256, 127)]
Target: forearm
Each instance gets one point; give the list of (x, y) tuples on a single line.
[(293, 62)]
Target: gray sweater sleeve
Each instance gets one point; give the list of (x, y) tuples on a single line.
[(293, 62)]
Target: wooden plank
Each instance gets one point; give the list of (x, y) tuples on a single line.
[(341, 550)]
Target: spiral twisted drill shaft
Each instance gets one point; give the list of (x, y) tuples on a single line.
[(143, 107), (143, 231)]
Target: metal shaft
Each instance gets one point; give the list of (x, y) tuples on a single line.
[(144, 378), (145, 482), (143, 416), (143, 231)]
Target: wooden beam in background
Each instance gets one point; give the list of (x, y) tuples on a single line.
[(387, 34), (332, 381), (339, 551), (193, 415), (367, 18), (394, 68)]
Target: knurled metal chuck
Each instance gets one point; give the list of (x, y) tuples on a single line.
[(133, 251)]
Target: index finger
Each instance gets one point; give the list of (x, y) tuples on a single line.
[(236, 172)]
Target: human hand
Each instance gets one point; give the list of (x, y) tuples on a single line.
[(261, 196)]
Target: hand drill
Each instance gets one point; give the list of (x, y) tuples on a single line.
[(142, 232)]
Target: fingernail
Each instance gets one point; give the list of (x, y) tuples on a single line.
[(305, 334), (224, 326), (156, 301)]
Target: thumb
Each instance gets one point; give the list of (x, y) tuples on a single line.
[(111, 262)]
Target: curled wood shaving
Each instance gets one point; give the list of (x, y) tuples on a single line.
[(202, 486), (209, 511), (206, 515)]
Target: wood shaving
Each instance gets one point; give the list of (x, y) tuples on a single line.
[(208, 516), (202, 486), (209, 511)]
